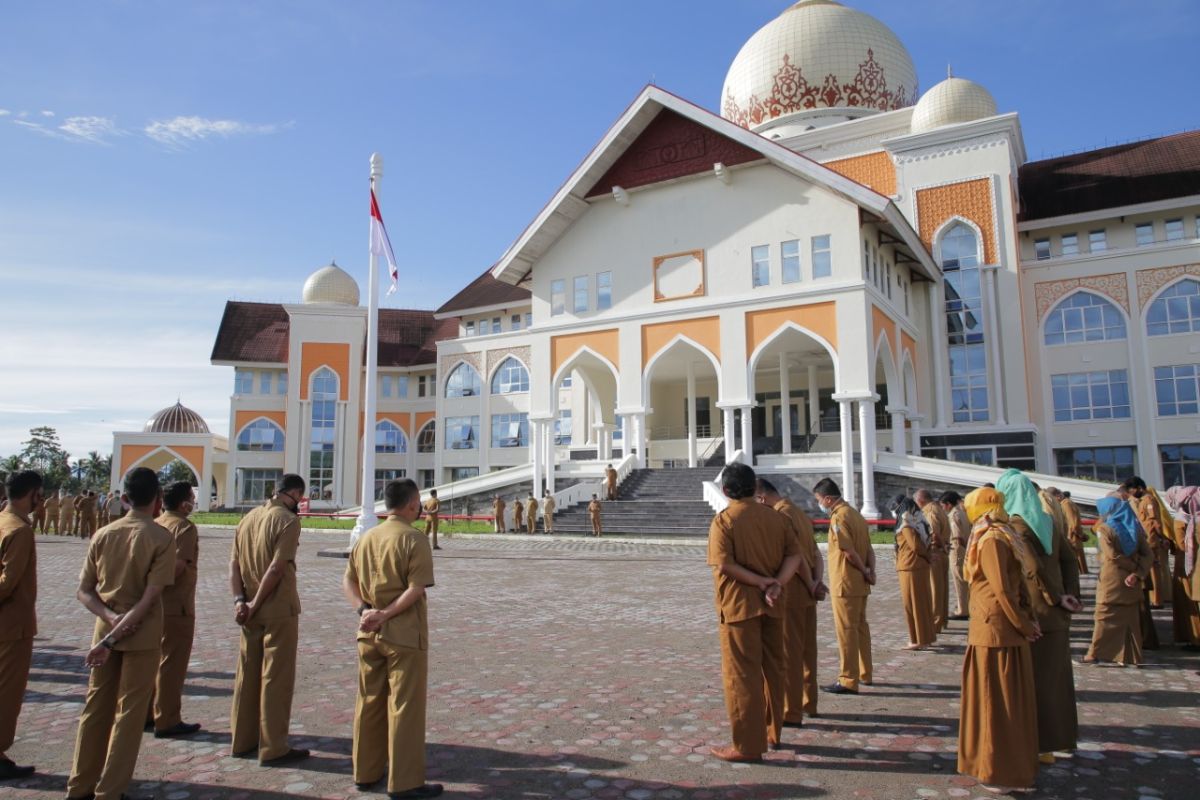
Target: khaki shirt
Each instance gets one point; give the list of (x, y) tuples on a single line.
[(847, 532), (179, 599), (498, 507), (798, 595), (387, 560), (1058, 574), (594, 508), (1075, 530), (124, 559), (1148, 515), (1000, 612), (87, 505), (610, 477), (912, 554), (531, 507), (960, 528), (432, 506), (18, 577), (939, 528), (548, 505), (266, 535), (66, 505), (116, 508), (750, 535), (1115, 566), (52, 504)]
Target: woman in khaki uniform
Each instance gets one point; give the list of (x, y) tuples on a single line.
[(997, 731), (1125, 560), (531, 508), (939, 555), (518, 515), (1076, 535), (1184, 502), (912, 569)]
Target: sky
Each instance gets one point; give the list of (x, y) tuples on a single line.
[(160, 158)]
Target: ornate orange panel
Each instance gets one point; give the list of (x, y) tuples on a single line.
[(705, 331), (820, 318), (336, 356), (242, 418), (603, 342), (875, 170), (885, 324), (970, 200)]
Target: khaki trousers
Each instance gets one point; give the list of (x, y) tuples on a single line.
[(431, 529), (753, 664), (167, 709), (66, 519), (531, 523), (939, 581), (266, 681), (87, 524), (597, 528), (800, 647), (389, 717), (39, 520), (962, 589), (918, 606), (15, 658), (854, 640), (1160, 576), (110, 728), (500, 523), (548, 522), (1081, 557)]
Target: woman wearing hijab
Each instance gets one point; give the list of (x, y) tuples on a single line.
[(912, 568), (997, 731), (1184, 503), (1054, 591), (1125, 560)]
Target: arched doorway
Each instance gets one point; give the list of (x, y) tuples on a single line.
[(793, 378), (681, 385)]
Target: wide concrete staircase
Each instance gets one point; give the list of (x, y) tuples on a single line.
[(651, 502)]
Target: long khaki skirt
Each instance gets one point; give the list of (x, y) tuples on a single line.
[(917, 594), (1054, 681), (1118, 634), (997, 727)]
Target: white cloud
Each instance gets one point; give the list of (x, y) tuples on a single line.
[(4, 112), (180, 131), (47, 113), (92, 129)]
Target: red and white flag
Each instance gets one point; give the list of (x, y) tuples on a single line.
[(381, 245)]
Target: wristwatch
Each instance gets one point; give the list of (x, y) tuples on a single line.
[(241, 598), (108, 643), (363, 608)]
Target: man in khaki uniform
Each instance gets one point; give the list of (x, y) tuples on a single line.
[(87, 515), (498, 506), (1076, 535), (800, 599), (939, 555), (389, 570), (37, 520), (1150, 516), (518, 515), (851, 576), (262, 575), (18, 598), (128, 564), (548, 506), (610, 482), (531, 508), (594, 515), (432, 507), (50, 519), (753, 552), (179, 613), (960, 537), (66, 514), (116, 508)]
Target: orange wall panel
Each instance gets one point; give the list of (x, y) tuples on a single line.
[(603, 342), (875, 170), (970, 200), (336, 356), (885, 324), (419, 420), (705, 331), (243, 418), (820, 318)]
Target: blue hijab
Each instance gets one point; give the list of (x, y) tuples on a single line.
[(1022, 499), (1119, 516)]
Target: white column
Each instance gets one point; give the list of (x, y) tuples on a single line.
[(748, 434), (366, 516), (937, 324), (846, 418), (992, 322), (691, 413), (785, 403), (535, 450), (814, 402), (899, 414), (866, 429), (551, 455), (915, 421), (729, 427), (639, 434), (626, 433)]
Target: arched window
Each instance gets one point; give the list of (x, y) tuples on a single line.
[(511, 377), (389, 438), (958, 247), (1084, 317), (262, 436), (463, 382), (324, 396), (427, 438), (1177, 310)]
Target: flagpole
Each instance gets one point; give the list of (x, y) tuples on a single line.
[(366, 517)]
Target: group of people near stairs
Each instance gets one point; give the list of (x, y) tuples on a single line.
[(1014, 553), (1010, 551)]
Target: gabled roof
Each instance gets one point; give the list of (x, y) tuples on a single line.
[(258, 332), (569, 203), (483, 292), (1125, 175)]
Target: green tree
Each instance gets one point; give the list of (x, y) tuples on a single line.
[(44, 453), (176, 471), (10, 465)]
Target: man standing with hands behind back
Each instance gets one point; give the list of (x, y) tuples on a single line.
[(128, 564), (18, 598), (851, 576), (262, 575), (390, 568)]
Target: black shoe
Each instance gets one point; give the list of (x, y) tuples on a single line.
[(837, 688), (11, 772), (958, 616), (787, 724), (148, 727), (368, 786), (178, 729), (135, 797), (428, 790), (251, 753), (88, 796), (773, 745), (291, 756)]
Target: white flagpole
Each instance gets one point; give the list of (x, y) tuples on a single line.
[(366, 517)]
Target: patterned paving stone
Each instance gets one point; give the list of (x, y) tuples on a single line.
[(582, 669)]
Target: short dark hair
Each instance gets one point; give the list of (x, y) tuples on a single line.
[(399, 493), (766, 487), (142, 486), (738, 481), (289, 482), (176, 494), (950, 498), (827, 487), (20, 484), (989, 486), (903, 504), (922, 493), (433, 493), (1133, 482), (1067, 495)]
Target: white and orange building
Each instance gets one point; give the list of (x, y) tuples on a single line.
[(835, 271)]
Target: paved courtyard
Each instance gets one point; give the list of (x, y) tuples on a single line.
[(578, 669)]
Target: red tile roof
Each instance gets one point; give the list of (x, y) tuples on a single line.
[(259, 332), (486, 291), (1139, 172)]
